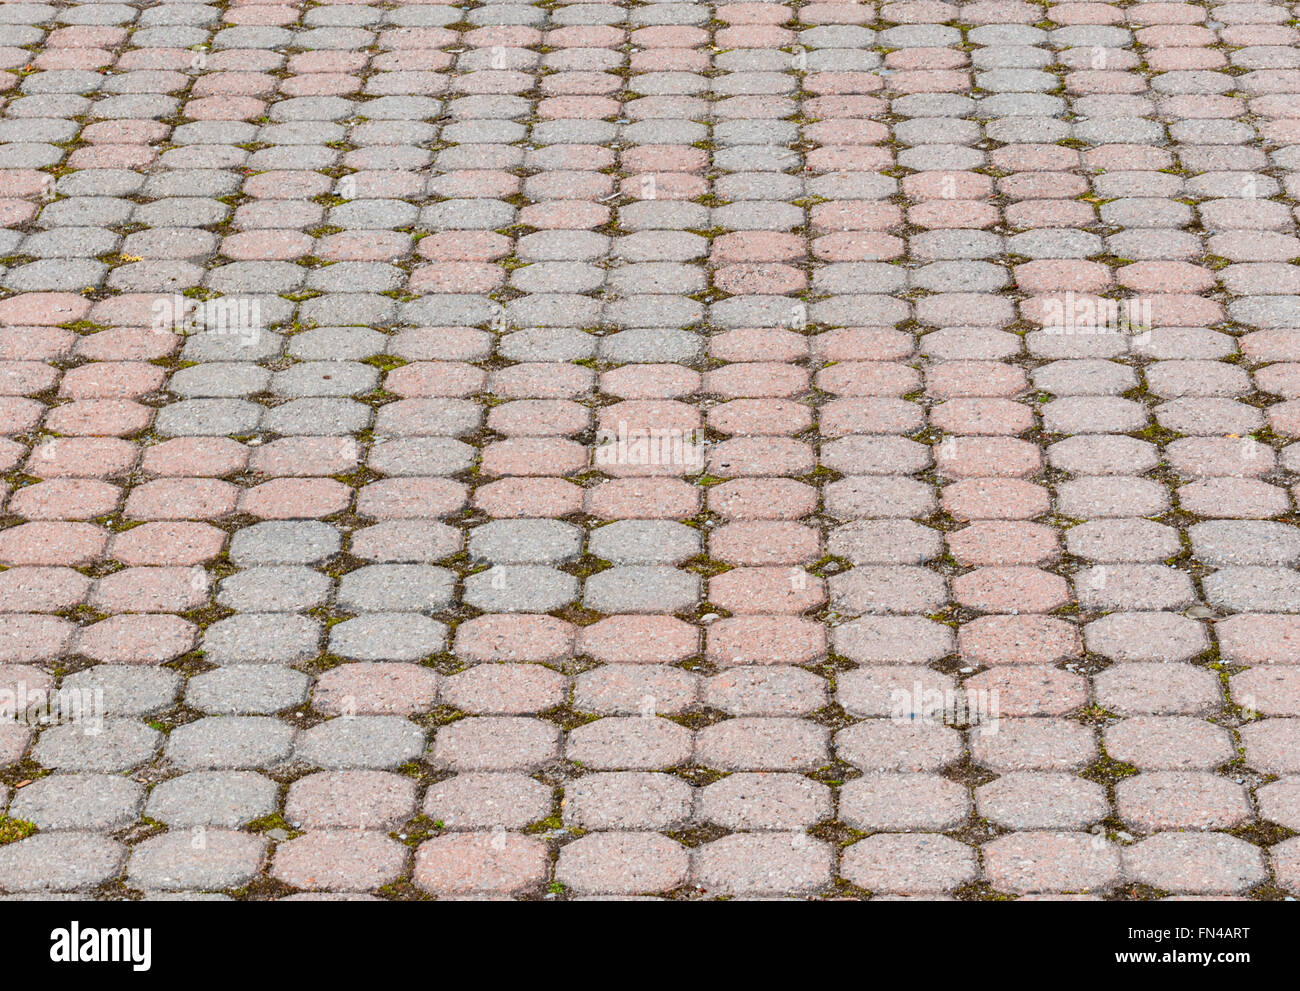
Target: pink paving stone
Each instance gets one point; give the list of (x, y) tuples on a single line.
[(908, 864), (296, 498), (1024, 863), (1030, 691), (742, 640), (1160, 800), (149, 590), (1209, 863), (41, 589), (763, 744), (167, 543), (443, 378), (499, 801), (622, 863), (480, 863), (514, 498), (65, 499), (638, 639), (340, 860), (766, 590), (30, 638), (621, 689), (1273, 745), (137, 639), (385, 688), (99, 418), (1285, 857), (1013, 590), (181, 499), (514, 638), (995, 542), (1259, 639), (43, 309), (111, 380), (762, 542), (761, 864), (505, 689), (87, 457), (763, 499), (350, 799), (991, 498), (73, 544), (14, 741), (299, 456), (496, 743)]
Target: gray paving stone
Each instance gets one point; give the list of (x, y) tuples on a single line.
[(219, 859), (60, 861), (261, 638), (645, 542), (361, 742), (229, 743), (396, 587), (274, 589), (118, 745), (388, 636), (525, 542), (520, 588), (279, 542), (636, 589), (127, 691), (247, 690), (224, 799), (79, 801)]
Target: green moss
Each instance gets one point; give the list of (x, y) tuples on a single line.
[(272, 822), (12, 830)]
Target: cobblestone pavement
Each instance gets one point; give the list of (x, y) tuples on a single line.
[(562, 450)]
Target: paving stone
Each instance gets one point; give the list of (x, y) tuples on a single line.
[(622, 863), (60, 861), (762, 863), (274, 589), (223, 799), (79, 801), (247, 690), (361, 742), (1210, 863), (520, 588), (117, 745), (176, 861), (388, 636), (261, 638), (340, 860), (229, 742), (1033, 862), (487, 801), (1029, 800), (908, 864), (127, 691), (525, 542), (480, 864)]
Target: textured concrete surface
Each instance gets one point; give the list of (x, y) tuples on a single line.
[(563, 450)]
